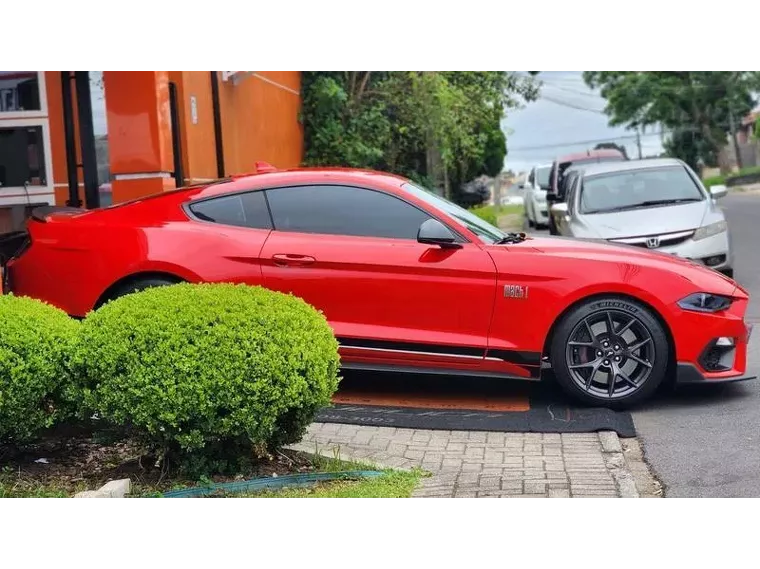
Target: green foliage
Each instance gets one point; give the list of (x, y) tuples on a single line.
[(35, 340), (486, 212), (207, 372), (430, 125), (695, 105)]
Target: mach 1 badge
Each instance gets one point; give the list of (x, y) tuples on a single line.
[(515, 291)]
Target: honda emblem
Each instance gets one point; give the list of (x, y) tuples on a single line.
[(653, 242)]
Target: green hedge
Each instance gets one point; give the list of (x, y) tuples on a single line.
[(35, 343), (207, 372)]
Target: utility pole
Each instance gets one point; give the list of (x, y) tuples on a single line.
[(732, 127), (638, 141)]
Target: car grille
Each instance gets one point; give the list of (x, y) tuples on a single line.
[(656, 241)]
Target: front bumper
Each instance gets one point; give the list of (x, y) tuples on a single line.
[(718, 362), (689, 374), (713, 252)]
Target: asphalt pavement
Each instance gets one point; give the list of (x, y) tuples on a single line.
[(705, 441)]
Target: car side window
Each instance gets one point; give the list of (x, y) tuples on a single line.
[(241, 210), (344, 210), (532, 177)]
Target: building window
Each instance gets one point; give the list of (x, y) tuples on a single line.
[(22, 156), (21, 93)]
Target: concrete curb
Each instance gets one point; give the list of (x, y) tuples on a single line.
[(113, 489), (612, 451)]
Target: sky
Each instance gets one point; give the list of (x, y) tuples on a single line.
[(550, 126)]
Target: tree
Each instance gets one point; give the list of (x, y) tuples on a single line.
[(417, 124), (612, 146), (682, 101)]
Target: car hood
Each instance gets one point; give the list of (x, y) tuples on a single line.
[(647, 221), (701, 277)]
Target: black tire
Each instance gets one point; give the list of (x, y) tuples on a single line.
[(531, 225), (138, 285), (584, 333)]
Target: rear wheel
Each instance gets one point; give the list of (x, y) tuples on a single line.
[(611, 352), (138, 285)]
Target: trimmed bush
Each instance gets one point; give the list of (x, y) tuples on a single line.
[(35, 342), (210, 370)]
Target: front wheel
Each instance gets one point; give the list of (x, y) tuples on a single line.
[(611, 352)]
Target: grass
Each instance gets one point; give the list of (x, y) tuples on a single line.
[(392, 484), (722, 180), (505, 217)]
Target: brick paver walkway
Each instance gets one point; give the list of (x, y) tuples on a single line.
[(468, 464)]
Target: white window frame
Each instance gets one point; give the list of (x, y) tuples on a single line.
[(26, 195), (42, 113)]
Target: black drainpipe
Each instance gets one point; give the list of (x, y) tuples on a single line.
[(70, 140), (87, 140), (217, 124), (179, 174)]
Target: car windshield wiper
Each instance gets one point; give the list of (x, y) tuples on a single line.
[(648, 203), (665, 202), (511, 238)]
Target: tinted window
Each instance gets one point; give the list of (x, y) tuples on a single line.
[(341, 210), (242, 210), (638, 188)]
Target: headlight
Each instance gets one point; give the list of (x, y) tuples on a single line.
[(710, 230), (705, 302)]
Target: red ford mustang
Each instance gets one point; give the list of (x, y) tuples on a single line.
[(408, 281)]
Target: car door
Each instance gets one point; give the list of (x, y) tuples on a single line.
[(352, 253), (227, 238)]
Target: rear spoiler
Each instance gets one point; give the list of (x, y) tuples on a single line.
[(41, 213), (10, 245)]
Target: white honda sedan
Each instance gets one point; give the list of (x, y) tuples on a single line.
[(535, 206), (659, 204)]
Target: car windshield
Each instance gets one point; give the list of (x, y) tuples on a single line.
[(542, 176), (638, 188), (484, 230)]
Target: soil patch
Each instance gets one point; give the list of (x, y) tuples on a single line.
[(69, 459)]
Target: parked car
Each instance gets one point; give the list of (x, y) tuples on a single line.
[(535, 185), (658, 204), (564, 164), (408, 281)]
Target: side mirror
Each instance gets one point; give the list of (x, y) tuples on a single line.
[(560, 209), (718, 192), (433, 232)]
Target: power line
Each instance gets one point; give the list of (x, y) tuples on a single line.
[(573, 143), (575, 91), (660, 132), (571, 105)]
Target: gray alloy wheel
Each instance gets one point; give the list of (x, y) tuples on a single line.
[(610, 351)]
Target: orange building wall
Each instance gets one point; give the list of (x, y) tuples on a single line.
[(259, 123)]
